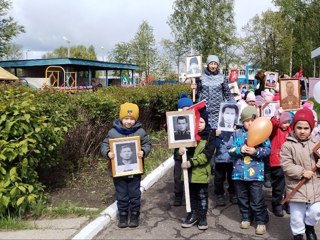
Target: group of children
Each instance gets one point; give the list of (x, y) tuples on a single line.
[(289, 150)]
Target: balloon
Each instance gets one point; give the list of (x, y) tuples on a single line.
[(316, 92), (259, 131)]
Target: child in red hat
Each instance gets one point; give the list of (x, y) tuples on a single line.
[(297, 161)]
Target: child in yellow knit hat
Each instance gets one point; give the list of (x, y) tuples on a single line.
[(127, 187)]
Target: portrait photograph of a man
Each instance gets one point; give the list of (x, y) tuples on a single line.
[(194, 66), (181, 128), (271, 79), (290, 94), (126, 160)]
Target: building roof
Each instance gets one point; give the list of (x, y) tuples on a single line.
[(5, 75), (81, 64)]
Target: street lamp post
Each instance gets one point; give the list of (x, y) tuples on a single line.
[(68, 41), (27, 54), (102, 49)]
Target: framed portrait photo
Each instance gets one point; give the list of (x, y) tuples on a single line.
[(312, 83), (228, 116), (126, 160), (271, 79), (194, 66), (181, 129), (316, 150), (269, 109), (234, 88), (290, 94), (304, 89)]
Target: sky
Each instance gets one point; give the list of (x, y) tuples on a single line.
[(50, 24)]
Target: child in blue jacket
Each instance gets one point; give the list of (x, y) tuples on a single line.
[(248, 174)]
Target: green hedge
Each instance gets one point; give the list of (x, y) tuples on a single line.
[(45, 132)]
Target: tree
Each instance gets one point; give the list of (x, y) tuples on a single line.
[(206, 26), (79, 51), (302, 16), (8, 28), (175, 51), (268, 42), (122, 53), (13, 52), (143, 48)]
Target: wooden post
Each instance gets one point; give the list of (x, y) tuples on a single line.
[(186, 184), (193, 90)]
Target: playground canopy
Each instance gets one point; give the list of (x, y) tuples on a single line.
[(5, 75)]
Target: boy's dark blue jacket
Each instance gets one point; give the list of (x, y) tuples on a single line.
[(223, 144)]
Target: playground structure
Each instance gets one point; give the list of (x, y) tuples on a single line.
[(71, 74)]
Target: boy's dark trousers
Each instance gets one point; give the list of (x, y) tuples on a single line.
[(178, 183), (128, 193), (199, 197), (278, 187), (251, 201), (223, 171)]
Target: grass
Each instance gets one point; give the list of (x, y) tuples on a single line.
[(15, 223)]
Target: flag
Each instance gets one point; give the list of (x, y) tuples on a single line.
[(196, 107)]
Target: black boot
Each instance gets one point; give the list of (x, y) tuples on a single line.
[(191, 219), (298, 237), (310, 233), (123, 220), (202, 223), (221, 201), (134, 219)]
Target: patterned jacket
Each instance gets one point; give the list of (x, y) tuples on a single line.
[(246, 167), (214, 88)]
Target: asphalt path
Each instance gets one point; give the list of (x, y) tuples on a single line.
[(159, 219)]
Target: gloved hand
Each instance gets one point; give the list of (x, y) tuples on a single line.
[(182, 151), (185, 165)]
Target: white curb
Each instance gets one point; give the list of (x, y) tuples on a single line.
[(110, 213)]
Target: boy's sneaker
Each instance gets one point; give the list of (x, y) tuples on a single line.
[(245, 224), (221, 202), (202, 223), (233, 199), (261, 229), (190, 220)]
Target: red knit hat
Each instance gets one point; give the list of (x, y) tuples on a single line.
[(304, 114)]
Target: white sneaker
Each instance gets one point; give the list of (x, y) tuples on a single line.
[(261, 229), (245, 224)]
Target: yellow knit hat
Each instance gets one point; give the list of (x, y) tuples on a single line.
[(129, 110)]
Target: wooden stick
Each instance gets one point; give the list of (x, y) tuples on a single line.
[(296, 188), (193, 90), (186, 184)]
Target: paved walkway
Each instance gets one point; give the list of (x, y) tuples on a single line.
[(161, 220)]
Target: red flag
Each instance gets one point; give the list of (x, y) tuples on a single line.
[(196, 107), (300, 73)]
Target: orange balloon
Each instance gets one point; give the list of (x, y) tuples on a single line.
[(259, 131)]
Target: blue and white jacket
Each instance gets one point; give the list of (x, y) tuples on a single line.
[(248, 167)]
